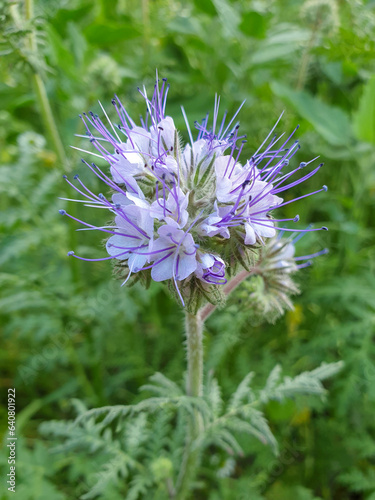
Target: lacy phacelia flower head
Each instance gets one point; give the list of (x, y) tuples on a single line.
[(188, 215)]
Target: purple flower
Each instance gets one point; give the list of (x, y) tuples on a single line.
[(163, 136), (173, 254), (211, 269), (133, 233), (172, 209), (175, 208)]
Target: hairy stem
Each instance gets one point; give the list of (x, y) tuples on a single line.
[(51, 130), (194, 347), (46, 113), (47, 117), (41, 93)]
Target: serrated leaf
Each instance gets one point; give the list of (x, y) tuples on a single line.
[(243, 392), (301, 384), (326, 370), (252, 421), (213, 395), (162, 386), (271, 383)]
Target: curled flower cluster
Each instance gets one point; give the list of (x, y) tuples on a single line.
[(279, 256), (185, 214), (268, 291)]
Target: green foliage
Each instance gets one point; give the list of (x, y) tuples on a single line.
[(330, 122), (35, 472), (136, 450), (364, 120), (69, 331)]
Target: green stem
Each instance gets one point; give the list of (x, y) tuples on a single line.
[(41, 93), (194, 348), (48, 119), (47, 116)]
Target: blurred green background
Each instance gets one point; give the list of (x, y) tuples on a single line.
[(69, 330)]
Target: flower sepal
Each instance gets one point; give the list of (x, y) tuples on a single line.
[(197, 293)]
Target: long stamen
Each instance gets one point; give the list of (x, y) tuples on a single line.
[(313, 255), (151, 181)]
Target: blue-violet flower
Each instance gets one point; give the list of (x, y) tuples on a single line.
[(188, 215)]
